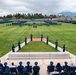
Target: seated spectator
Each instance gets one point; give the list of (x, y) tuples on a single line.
[(5, 66), (59, 67), (13, 68), (72, 67), (70, 70), (20, 68), (1, 70), (7, 71), (36, 69), (1, 65), (73, 73), (65, 72), (51, 67), (28, 67), (25, 72), (66, 66), (54, 72), (35, 74)]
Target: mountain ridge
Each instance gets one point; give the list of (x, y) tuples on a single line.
[(68, 14)]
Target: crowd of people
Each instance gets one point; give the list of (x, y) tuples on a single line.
[(52, 69), (20, 69), (61, 70)]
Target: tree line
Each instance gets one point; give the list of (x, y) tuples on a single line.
[(27, 16)]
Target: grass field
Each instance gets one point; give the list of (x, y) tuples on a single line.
[(37, 46), (65, 33)]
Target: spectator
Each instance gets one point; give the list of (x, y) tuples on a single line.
[(59, 67), (20, 68), (65, 72), (1, 65), (7, 71), (25, 72), (1, 70), (5, 66), (72, 67), (36, 68), (28, 67), (66, 66), (13, 68), (54, 72), (50, 68)]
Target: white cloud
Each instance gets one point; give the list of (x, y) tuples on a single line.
[(68, 5), (34, 6)]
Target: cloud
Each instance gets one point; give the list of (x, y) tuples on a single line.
[(36, 6)]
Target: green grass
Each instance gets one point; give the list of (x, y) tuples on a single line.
[(37, 46), (65, 33)]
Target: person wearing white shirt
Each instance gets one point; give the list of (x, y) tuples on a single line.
[(54, 72)]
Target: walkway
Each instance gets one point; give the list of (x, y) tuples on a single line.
[(23, 44), (36, 39)]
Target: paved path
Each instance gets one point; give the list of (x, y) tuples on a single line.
[(23, 44), (37, 39), (60, 49)]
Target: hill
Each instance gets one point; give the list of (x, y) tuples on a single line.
[(68, 14)]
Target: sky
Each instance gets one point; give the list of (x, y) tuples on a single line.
[(36, 6)]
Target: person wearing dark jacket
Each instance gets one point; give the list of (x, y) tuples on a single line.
[(36, 69)]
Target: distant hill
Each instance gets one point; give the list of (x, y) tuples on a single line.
[(69, 14)]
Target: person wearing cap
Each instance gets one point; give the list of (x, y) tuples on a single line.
[(36, 68), (28, 67), (51, 67), (5, 66), (66, 66), (20, 67)]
